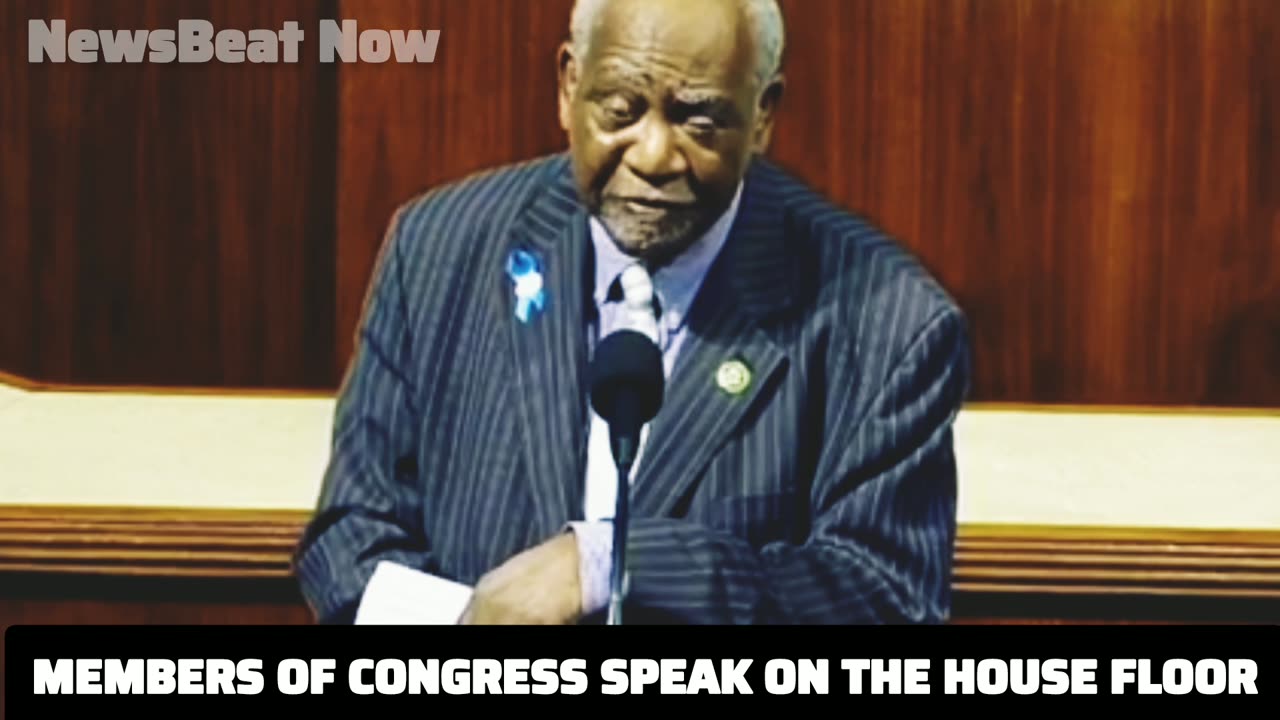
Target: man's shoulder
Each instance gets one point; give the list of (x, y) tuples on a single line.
[(492, 192), (854, 265), (485, 200)]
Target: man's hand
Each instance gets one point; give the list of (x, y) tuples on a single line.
[(539, 586)]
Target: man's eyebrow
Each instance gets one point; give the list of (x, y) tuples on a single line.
[(712, 103), (701, 97)]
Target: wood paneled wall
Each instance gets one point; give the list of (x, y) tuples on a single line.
[(167, 224), (1097, 182), (490, 98)]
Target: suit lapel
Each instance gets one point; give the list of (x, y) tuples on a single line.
[(751, 282), (549, 352)]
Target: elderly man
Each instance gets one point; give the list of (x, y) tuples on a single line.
[(801, 468)]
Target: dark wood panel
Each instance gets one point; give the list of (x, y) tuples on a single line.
[(168, 223), (71, 599), (1097, 182), (15, 198), (489, 98)]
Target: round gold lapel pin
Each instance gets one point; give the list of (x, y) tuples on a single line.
[(734, 377)]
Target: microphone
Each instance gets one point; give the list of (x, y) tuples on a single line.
[(627, 384), (626, 389)]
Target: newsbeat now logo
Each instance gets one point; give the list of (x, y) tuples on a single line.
[(197, 41)]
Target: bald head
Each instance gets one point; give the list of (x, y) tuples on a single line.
[(665, 102), (762, 19)]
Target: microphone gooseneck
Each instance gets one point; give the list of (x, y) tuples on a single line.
[(627, 385)]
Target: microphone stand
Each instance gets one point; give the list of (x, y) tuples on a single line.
[(617, 583), (626, 390)]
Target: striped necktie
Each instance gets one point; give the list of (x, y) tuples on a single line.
[(641, 305)]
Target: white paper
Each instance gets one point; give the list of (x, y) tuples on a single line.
[(400, 595)]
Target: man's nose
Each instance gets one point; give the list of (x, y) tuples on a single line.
[(655, 154)]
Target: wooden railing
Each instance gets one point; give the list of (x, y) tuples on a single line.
[(205, 565)]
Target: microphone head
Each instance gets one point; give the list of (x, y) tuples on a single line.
[(627, 380)]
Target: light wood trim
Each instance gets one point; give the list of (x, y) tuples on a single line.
[(1106, 409), (1011, 560), (1042, 589), (1118, 561), (30, 385), (1145, 537), (16, 381), (148, 542)]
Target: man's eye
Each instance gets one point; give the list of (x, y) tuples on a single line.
[(617, 110)]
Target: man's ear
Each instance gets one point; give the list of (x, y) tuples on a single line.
[(766, 113), (567, 70)]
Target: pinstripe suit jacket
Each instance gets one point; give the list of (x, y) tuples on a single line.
[(826, 493)]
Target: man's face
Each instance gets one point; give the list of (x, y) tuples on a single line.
[(663, 117)]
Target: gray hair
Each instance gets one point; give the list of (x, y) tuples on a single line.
[(764, 15)]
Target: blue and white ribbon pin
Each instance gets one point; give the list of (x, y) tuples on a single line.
[(531, 295)]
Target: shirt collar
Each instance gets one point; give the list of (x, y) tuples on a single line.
[(677, 283)]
